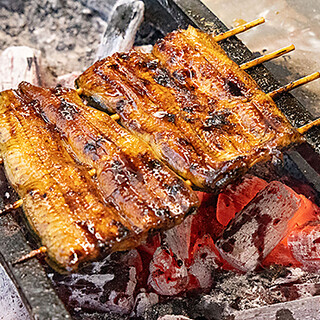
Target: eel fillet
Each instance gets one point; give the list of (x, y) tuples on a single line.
[(203, 116), (49, 142), (61, 202)]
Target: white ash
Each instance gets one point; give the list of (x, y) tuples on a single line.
[(66, 31), (171, 317), (143, 301), (234, 292), (103, 7), (257, 289), (67, 80), (19, 63)]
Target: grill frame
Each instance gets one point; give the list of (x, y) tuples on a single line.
[(161, 17)]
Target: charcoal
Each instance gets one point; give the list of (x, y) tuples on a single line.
[(236, 196), (305, 246), (143, 301), (186, 307), (17, 5), (102, 7), (178, 266), (307, 308), (168, 273), (173, 317), (104, 286), (67, 80), (46, 25), (178, 238), (19, 64), (205, 260), (259, 227), (210, 308), (124, 21), (297, 239), (205, 221)]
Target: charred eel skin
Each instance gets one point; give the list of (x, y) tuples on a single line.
[(49, 140), (203, 116)]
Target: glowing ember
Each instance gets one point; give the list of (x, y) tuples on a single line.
[(268, 218), (236, 196), (259, 227), (250, 224), (282, 254)]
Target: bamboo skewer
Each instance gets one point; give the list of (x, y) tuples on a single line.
[(92, 172), (308, 126), (267, 57), (79, 91), (294, 84), (10, 207), (31, 254), (239, 29), (115, 117)]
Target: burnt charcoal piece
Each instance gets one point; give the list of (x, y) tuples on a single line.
[(299, 248), (259, 227), (305, 246), (124, 20), (236, 196), (106, 286)]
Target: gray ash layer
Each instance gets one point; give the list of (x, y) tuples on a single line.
[(235, 292), (66, 31)]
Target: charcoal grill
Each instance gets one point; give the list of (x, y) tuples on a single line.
[(161, 16)]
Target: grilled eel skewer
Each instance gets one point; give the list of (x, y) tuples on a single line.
[(203, 116), (76, 220)]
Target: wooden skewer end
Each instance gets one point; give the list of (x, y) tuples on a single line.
[(267, 57), (11, 207), (308, 126), (31, 255), (92, 172), (115, 117), (295, 84), (239, 29), (79, 91)]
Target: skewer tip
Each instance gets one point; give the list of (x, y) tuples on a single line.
[(79, 91), (31, 254), (294, 84), (17, 204), (239, 29), (11, 207), (115, 117), (308, 126), (92, 172), (267, 57)]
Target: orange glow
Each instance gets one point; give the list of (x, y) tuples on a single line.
[(281, 254)]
